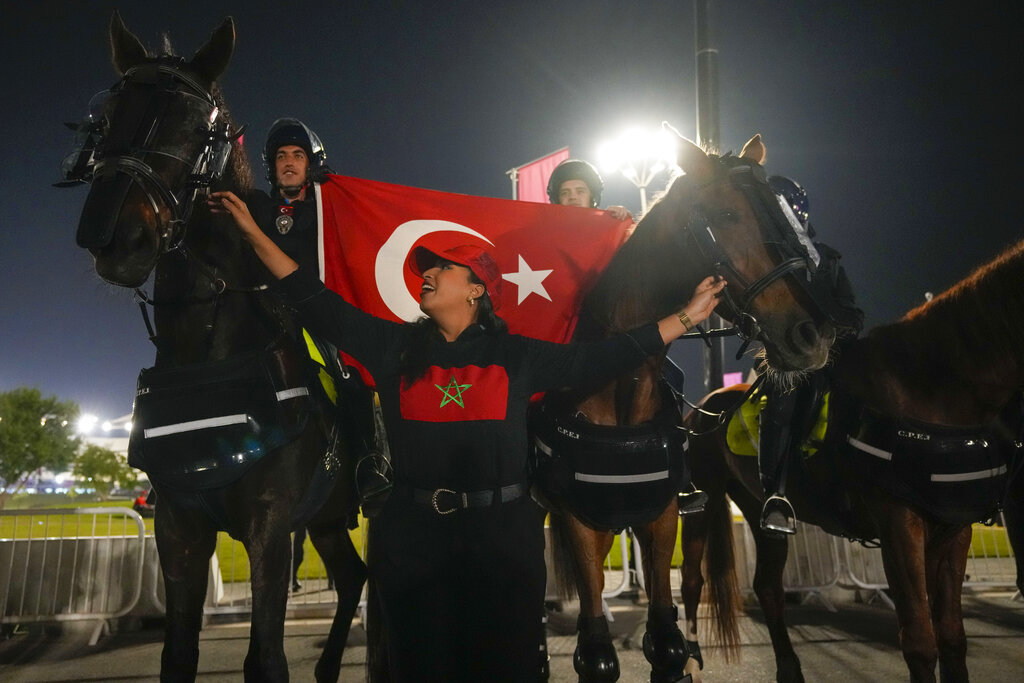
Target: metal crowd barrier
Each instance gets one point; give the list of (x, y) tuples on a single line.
[(812, 565), (231, 588), (990, 564), (80, 564)]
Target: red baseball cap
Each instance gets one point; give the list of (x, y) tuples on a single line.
[(477, 259)]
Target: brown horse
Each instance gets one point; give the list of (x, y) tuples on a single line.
[(923, 426), (224, 345), (717, 218)]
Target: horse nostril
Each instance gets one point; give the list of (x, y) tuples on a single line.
[(805, 335)]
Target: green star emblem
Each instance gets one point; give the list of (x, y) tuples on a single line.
[(453, 393)]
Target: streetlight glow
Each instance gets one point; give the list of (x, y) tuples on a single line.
[(639, 155), (86, 423)]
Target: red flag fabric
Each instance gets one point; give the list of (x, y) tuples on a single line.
[(532, 179), (549, 255)]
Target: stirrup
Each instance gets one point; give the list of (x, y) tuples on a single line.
[(778, 517), (373, 483), (692, 502)]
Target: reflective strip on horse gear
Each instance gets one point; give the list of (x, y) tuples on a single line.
[(956, 474), (292, 393), (867, 448), (621, 478), (208, 423), (970, 476), (610, 477)]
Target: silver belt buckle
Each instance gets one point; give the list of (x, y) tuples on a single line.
[(433, 501)]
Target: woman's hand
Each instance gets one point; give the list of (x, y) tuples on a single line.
[(696, 311), (229, 202), (704, 299), (276, 261)]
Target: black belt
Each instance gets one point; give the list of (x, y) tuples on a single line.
[(446, 501)]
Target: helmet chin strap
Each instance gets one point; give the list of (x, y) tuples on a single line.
[(291, 191)]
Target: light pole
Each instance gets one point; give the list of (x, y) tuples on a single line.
[(639, 155)]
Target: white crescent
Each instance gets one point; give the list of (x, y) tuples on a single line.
[(388, 268)]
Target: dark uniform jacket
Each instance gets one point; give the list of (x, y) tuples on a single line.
[(299, 240)]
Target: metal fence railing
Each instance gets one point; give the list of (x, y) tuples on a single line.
[(80, 564), (990, 564)]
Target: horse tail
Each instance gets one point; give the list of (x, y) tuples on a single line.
[(562, 557), (720, 569)]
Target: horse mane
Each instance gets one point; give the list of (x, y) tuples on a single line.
[(238, 174), (974, 324), (631, 290)]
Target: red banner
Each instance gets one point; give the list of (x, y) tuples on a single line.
[(549, 255), (532, 179)]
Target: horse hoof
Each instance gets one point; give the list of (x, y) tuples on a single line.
[(666, 651), (596, 662)]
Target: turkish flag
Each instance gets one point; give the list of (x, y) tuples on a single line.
[(532, 178), (549, 255)]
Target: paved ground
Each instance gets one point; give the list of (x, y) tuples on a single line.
[(858, 643)]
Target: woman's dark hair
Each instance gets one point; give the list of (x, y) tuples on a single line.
[(423, 336)]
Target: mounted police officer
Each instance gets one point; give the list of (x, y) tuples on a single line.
[(295, 161), (788, 415), (575, 182)]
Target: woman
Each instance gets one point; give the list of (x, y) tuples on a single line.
[(457, 553)]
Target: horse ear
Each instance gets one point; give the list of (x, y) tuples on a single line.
[(126, 50), (690, 157), (754, 150), (211, 59)]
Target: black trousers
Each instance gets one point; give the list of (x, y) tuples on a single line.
[(462, 595)]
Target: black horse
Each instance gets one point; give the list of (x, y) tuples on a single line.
[(227, 423)]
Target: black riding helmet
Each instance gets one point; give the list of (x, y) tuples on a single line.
[(288, 131), (576, 169)]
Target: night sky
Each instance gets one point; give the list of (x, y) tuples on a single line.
[(895, 116)]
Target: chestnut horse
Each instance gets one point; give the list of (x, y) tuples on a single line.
[(224, 344), (923, 427), (720, 217)]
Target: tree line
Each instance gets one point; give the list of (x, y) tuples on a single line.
[(38, 432)]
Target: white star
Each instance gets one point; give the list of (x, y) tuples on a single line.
[(528, 280)]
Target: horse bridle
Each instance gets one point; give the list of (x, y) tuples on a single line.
[(799, 256), (105, 154)]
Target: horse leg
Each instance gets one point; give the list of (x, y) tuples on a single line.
[(332, 541), (771, 593), (269, 549), (1013, 517), (694, 535), (185, 541), (664, 646), (902, 533), (663, 642), (595, 660), (946, 559)]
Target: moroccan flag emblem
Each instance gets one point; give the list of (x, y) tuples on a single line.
[(457, 394)]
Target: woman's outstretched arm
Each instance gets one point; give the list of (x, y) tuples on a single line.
[(277, 262)]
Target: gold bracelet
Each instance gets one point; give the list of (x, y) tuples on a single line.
[(685, 320)]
